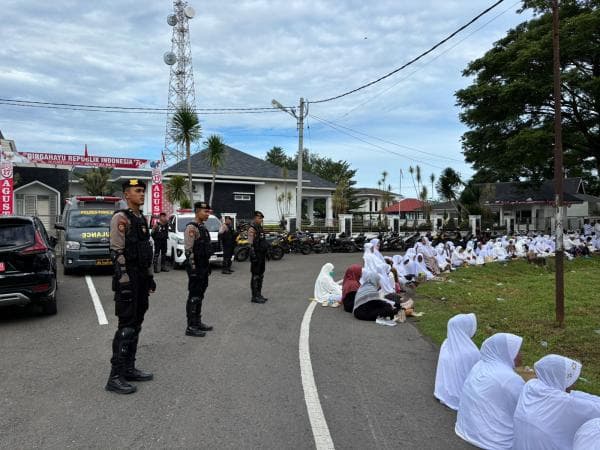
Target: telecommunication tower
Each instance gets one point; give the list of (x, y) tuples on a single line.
[(181, 80)]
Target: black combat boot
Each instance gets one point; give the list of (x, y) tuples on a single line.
[(163, 263), (122, 344), (203, 326), (131, 372), (194, 309), (193, 329), (255, 292), (156, 269), (260, 283), (117, 383)]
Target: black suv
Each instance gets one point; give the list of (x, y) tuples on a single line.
[(27, 263)]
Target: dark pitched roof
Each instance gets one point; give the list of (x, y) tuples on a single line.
[(240, 164), (372, 192), (527, 193), (115, 174)]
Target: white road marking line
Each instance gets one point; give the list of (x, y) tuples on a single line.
[(311, 395), (96, 300)]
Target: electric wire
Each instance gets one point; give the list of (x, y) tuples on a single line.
[(340, 130), (412, 61), (386, 141)]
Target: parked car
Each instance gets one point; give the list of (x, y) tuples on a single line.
[(177, 224), (86, 226), (27, 263)]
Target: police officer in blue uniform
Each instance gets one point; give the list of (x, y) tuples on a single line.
[(131, 253), (197, 251)]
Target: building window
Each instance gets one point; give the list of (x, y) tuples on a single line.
[(242, 197)]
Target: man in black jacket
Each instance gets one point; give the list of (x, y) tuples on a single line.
[(160, 235), (227, 237), (258, 256)]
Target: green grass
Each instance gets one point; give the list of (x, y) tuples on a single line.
[(518, 298)]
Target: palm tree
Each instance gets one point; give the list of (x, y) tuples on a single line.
[(423, 198), (448, 184), (411, 170), (185, 129), (176, 191), (418, 176), (95, 181), (215, 155), (432, 179)]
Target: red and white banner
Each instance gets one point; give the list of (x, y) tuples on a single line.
[(81, 160), (157, 191), (6, 188)]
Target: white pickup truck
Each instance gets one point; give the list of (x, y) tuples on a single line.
[(177, 224)]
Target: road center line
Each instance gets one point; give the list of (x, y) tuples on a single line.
[(318, 423), (96, 300)]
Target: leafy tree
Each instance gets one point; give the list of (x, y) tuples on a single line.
[(215, 155), (96, 181), (176, 190), (185, 129), (432, 179), (278, 157), (449, 187), (509, 108)]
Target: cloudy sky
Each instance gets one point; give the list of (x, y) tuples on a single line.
[(245, 53)]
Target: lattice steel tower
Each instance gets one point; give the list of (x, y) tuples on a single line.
[(181, 81)]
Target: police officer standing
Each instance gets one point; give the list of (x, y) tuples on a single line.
[(227, 237), (258, 256), (160, 234), (197, 251), (131, 253)]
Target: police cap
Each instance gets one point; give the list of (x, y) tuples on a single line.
[(201, 205), (133, 182), (259, 214)]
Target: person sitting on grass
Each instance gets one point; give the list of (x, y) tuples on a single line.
[(549, 413), (368, 304), (327, 291), (588, 436), (350, 285), (490, 394), (458, 355), (458, 257)]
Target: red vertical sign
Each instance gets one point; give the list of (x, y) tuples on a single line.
[(157, 191), (6, 188)]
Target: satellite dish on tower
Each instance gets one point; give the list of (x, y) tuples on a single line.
[(169, 58), (172, 19), (189, 12)]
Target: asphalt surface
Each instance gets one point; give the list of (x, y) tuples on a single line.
[(239, 387)]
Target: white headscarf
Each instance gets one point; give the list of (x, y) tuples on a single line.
[(547, 417), (458, 355), (588, 436), (368, 261), (325, 285), (490, 394), (379, 259), (422, 267), (386, 283)]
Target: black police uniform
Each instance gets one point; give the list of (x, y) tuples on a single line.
[(160, 234), (198, 270), (228, 243), (258, 256), (132, 282)]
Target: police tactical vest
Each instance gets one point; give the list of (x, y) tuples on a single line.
[(260, 241), (201, 248), (161, 232), (228, 237), (138, 250)]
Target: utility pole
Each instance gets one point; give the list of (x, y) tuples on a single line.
[(302, 111), (558, 171)]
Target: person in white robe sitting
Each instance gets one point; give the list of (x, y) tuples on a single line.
[(588, 436), (458, 355), (549, 413), (490, 394), (327, 291)]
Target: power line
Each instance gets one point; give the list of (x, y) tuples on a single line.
[(340, 130), (379, 94), (412, 61), (386, 141)]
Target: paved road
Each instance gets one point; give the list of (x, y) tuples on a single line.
[(240, 387)]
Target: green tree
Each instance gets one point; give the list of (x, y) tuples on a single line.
[(450, 186), (186, 129), (215, 155), (278, 157), (176, 190), (509, 108), (432, 179), (96, 181)]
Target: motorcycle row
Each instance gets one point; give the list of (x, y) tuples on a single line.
[(305, 243)]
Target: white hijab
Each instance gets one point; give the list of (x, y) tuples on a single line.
[(325, 285), (385, 281), (490, 394), (458, 355), (422, 267), (368, 261), (547, 417), (588, 436), (379, 259)]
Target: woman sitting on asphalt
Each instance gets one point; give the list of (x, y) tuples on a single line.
[(458, 355), (548, 413), (350, 285), (368, 304), (490, 394), (588, 436), (327, 291)]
